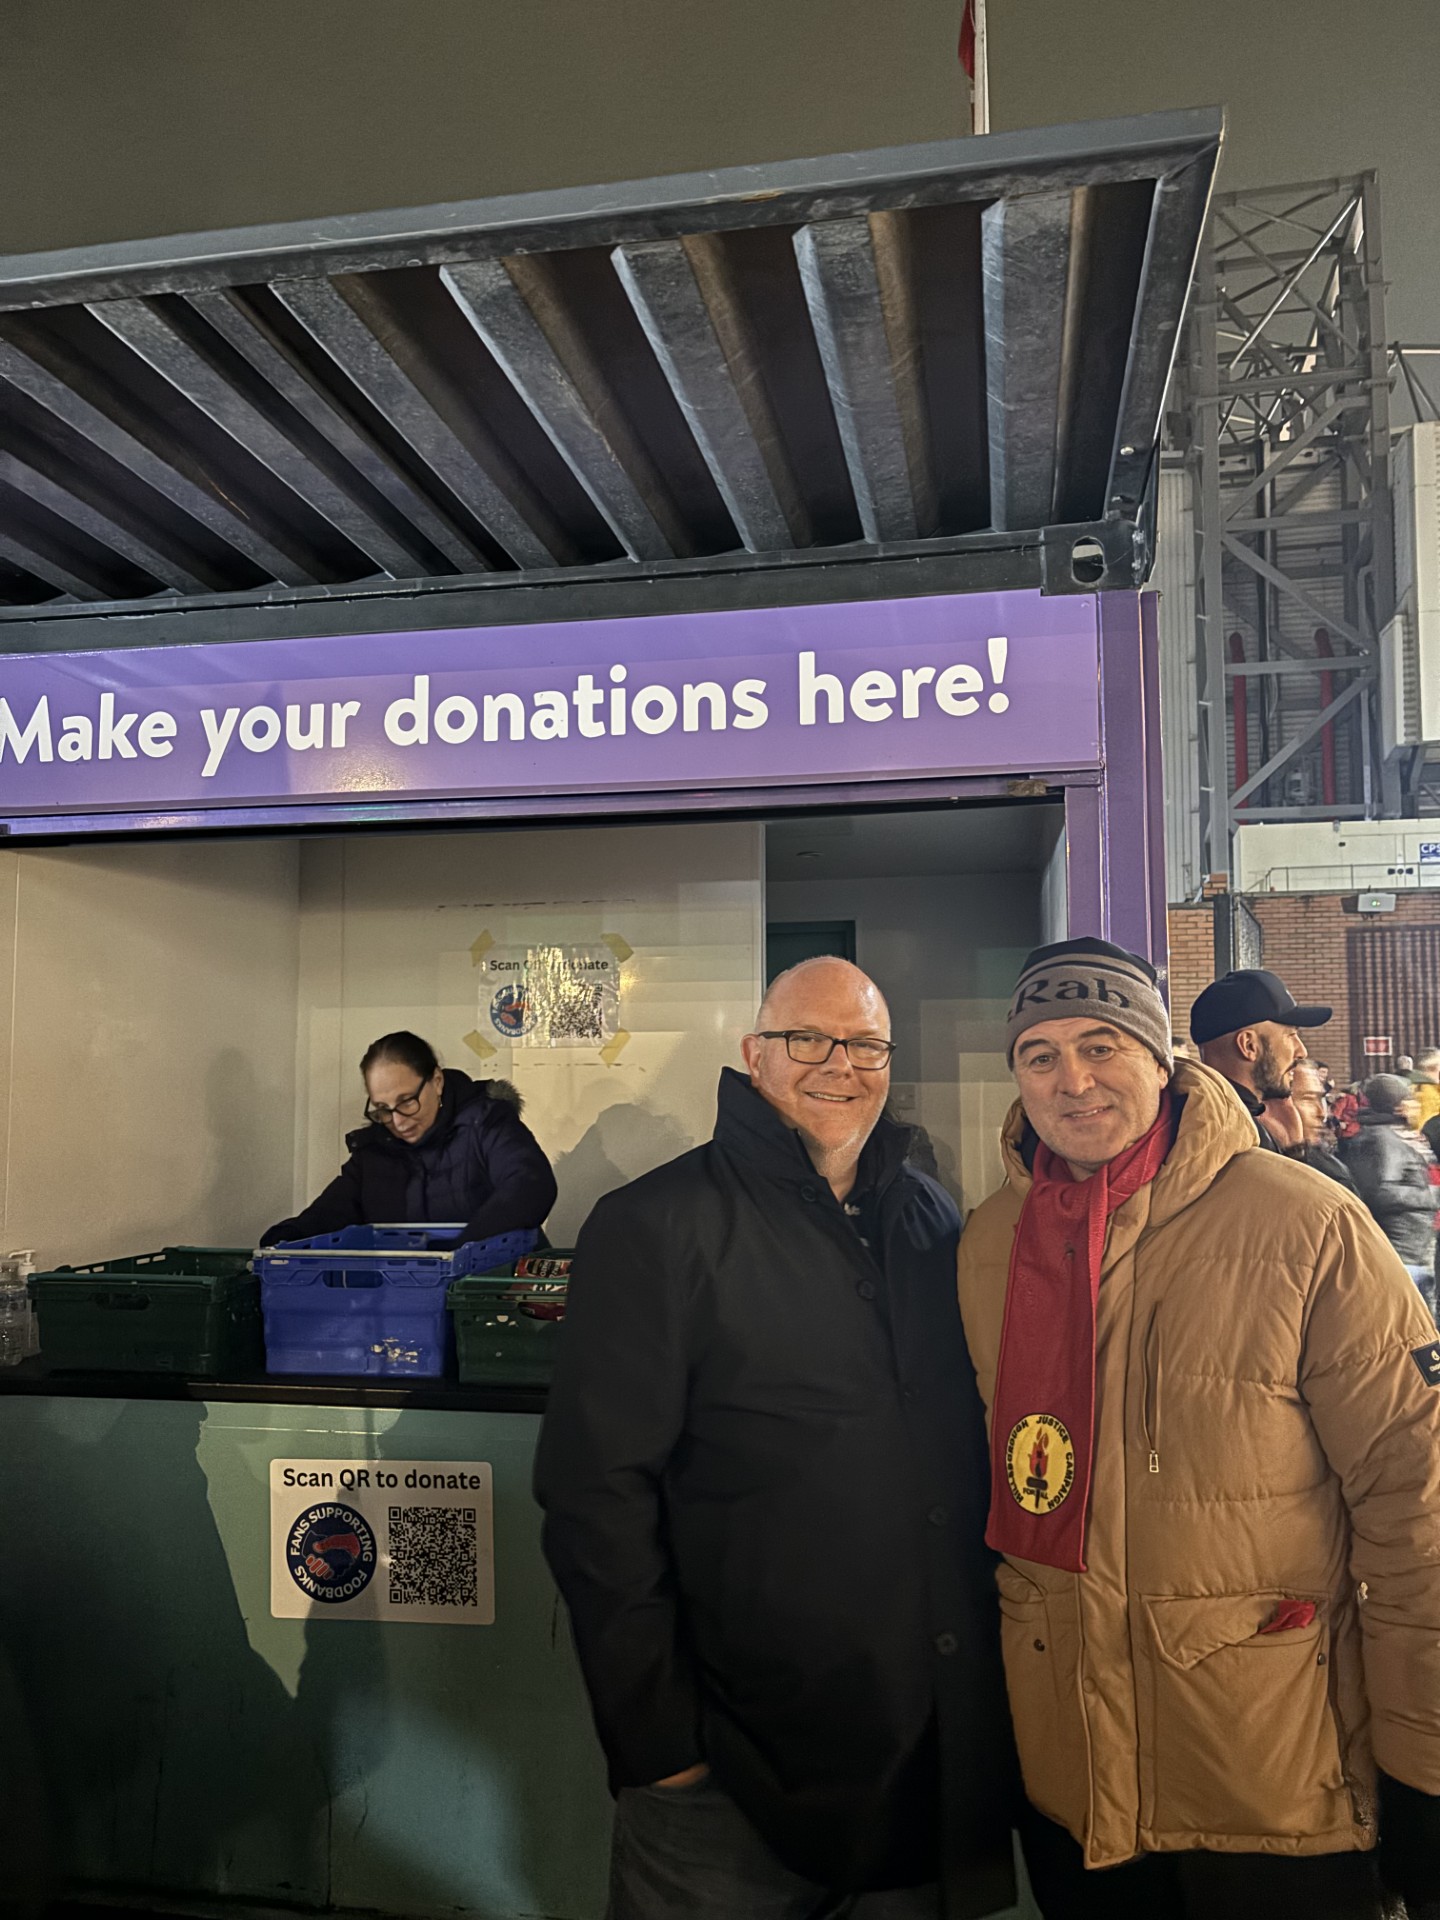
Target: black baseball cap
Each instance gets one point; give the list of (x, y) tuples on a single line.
[(1244, 999)]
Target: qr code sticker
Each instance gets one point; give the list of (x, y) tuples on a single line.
[(433, 1560), (578, 1013)]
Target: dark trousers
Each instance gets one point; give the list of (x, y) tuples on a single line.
[(1199, 1886), (688, 1853)]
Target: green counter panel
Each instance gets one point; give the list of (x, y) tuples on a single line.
[(188, 1743)]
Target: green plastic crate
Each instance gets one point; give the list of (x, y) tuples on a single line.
[(506, 1321), (190, 1310)]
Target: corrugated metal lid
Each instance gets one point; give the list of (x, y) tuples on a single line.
[(922, 348)]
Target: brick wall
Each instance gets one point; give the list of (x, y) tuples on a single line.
[(1305, 943), (1192, 960)]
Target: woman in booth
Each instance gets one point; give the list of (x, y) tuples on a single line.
[(439, 1146)]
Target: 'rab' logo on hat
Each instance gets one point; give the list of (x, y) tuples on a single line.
[(1037, 994)]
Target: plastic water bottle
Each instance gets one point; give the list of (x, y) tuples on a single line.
[(19, 1333)]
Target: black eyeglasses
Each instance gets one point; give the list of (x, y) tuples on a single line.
[(409, 1104), (810, 1049)]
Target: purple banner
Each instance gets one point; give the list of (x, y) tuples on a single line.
[(972, 684)]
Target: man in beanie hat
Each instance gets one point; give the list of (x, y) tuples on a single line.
[(1248, 1026), (1214, 1406)]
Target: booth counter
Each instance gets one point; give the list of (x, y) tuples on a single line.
[(194, 1745)]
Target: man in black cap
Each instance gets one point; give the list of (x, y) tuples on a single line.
[(1248, 1028)]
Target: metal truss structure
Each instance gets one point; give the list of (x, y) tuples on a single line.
[(1285, 424)]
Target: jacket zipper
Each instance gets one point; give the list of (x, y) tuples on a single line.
[(1361, 1801), (1362, 1795), (1151, 1396)]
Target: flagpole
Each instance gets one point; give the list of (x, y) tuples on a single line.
[(980, 85)]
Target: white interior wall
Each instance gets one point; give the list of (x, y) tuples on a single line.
[(1055, 888), (388, 925), (147, 1017), (945, 951)]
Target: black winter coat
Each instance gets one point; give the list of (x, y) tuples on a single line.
[(479, 1163), (1393, 1178), (764, 1476), (1324, 1160), (1256, 1110)]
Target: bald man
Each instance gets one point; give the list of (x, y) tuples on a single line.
[(764, 1477)]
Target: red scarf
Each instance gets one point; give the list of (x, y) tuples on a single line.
[(1042, 1430)]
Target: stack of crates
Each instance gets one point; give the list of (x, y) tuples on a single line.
[(506, 1323), (371, 1300), (186, 1310)]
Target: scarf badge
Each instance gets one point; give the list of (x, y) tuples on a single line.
[(1040, 1462)]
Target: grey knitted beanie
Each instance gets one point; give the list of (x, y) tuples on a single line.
[(1084, 976)]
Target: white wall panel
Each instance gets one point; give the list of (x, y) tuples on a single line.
[(147, 1002)]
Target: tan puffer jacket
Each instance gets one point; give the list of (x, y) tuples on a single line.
[(1265, 1430)]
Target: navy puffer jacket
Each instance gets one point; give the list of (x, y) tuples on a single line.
[(479, 1163)]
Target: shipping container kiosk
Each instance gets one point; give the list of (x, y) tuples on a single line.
[(399, 607)]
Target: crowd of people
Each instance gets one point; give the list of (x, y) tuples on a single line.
[(1379, 1137)]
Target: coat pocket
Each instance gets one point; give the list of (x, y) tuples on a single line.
[(1243, 1734), (1050, 1741)]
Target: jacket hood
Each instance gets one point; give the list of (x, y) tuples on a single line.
[(1213, 1129), (1378, 1117), (460, 1092)]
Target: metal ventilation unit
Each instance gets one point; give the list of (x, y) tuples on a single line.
[(1410, 643)]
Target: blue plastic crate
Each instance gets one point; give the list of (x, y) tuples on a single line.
[(371, 1300)]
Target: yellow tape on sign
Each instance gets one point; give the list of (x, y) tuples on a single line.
[(479, 1045), (612, 1049), (480, 948), (621, 949)]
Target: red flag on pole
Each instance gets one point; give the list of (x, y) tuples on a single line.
[(967, 38)]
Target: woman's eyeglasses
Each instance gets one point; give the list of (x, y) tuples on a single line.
[(404, 1107)]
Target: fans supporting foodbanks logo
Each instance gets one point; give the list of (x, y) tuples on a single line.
[(330, 1551), (511, 1012)]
